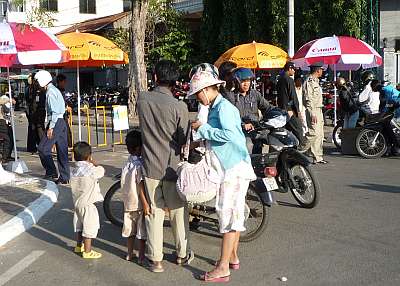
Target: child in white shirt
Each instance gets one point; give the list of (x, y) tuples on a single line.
[(135, 203), (85, 190)]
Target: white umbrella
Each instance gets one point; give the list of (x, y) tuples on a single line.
[(339, 52)]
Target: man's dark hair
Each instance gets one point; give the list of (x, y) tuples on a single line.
[(133, 139), (61, 77), (226, 69), (289, 65), (167, 72), (82, 151)]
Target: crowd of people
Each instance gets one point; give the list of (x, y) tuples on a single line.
[(229, 110)]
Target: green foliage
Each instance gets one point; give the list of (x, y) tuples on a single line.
[(266, 21), (120, 37), (212, 18), (171, 37)]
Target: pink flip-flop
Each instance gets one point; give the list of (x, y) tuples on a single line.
[(222, 279), (233, 266)]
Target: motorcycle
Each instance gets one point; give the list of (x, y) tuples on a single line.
[(282, 170), (378, 134)]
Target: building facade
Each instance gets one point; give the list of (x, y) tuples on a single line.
[(390, 39), (66, 12)]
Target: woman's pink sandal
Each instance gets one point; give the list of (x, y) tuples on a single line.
[(233, 266), (222, 279)]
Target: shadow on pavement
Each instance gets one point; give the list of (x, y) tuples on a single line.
[(286, 204), (377, 188)]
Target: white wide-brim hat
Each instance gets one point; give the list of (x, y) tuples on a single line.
[(202, 79)]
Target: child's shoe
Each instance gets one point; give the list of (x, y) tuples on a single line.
[(79, 249), (91, 255)]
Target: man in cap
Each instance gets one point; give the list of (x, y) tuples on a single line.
[(56, 131), (249, 102), (313, 103)]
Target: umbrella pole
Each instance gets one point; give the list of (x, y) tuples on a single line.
[(12, 116), (95, 118), (79, 102), (335, 94)]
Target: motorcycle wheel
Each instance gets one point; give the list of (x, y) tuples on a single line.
[(113, 205), (365, 146), (305, 187), (257, 215), (336, 135)]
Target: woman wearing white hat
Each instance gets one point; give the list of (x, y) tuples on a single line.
[(227, 143)]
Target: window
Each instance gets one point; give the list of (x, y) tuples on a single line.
[(397, 45), (49, 5), (127, 5), (17, 7), (87, 6)]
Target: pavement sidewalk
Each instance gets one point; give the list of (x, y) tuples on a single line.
[(22, 203)]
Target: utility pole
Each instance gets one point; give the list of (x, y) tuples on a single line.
[(291, 28), (3, 10)]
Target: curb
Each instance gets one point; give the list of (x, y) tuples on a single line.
[(30, 215)]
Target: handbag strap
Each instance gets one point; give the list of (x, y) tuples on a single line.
[(186, 147)]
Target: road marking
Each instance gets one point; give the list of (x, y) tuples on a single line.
[(20, 266)]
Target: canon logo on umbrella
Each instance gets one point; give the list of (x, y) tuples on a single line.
[(4, 43), (316, 50)]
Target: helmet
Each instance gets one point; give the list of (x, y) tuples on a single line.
[(203, 79), (367, 76), (43, 78), (275, 117), (204, 67), (242, 74), (340, 82)]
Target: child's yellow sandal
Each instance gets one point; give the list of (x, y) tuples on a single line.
[(91, 255)]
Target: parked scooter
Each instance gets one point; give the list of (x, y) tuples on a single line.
[(378, 134), (282, 170)]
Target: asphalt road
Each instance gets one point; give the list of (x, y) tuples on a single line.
[(350, 238)]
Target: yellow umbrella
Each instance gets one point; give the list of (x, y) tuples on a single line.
[(255, 56), (90, 50)]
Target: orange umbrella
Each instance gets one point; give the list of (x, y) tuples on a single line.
[(90, 50), (255, 56)]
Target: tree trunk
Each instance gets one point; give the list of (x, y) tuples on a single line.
[(137, 79)]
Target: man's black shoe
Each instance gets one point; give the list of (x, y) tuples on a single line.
[(62, 182)]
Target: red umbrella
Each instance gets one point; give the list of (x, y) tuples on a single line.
[(23, 44), (346, 53), (341, 53)]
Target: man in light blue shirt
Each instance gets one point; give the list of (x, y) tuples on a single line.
[(56, 131)]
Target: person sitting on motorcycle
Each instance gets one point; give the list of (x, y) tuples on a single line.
[(348, 103), (249, 102), (368, 99), (390, 98)]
